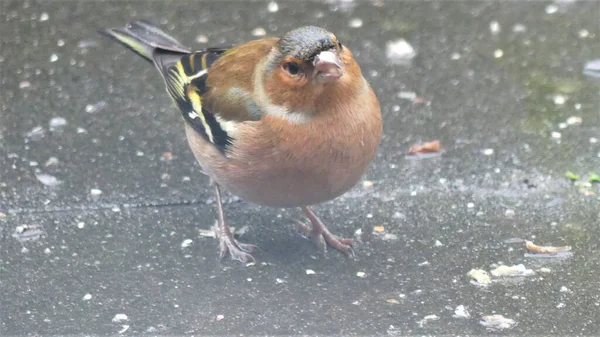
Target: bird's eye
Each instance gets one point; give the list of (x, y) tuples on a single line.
[(292, 68)]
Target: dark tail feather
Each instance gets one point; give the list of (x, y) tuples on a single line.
[(145, 38)]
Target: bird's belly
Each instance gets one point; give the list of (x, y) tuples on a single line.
[(285, 186)]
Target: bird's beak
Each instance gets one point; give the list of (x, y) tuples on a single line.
[(327, 67)]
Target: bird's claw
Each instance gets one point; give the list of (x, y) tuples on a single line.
[(323, 238), (238, 251)]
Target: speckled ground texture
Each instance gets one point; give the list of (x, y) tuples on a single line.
[(499, 76)]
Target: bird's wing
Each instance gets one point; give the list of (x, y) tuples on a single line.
[(213, 87)]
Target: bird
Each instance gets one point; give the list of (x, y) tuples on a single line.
[(284, 122)]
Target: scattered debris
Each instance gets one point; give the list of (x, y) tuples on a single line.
[(389, 237), (400, 51), (592, 68), (495, 27), (433, 146), (367, 184), (355, 23), (479, 277), (220, 317), (488, 152), (426, 319), (87, 297), (272, 7), (361, 274), (530, 246), (120, 318), (95, 191), (511, 271), (461, 312), (166, 156), (497, 322), (574, 120), (186, 243), (498, 53), (407, 95), (52, 161), (47, 179), (25, 233), (378, 229), (57, 122), (572, 175), (92, 108), (35, 134), (392, 301), (259, 31), (125, 328), (310, 272)]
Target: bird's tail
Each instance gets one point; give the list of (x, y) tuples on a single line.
[(145, 38)]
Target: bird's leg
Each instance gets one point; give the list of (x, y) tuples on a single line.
[(321, 236), (227, 244)]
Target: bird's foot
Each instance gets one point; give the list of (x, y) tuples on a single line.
[(238, 251), (321, 237)]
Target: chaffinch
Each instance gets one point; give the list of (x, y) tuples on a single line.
[(281, 122)]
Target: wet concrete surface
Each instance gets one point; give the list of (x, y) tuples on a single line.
[(501, 76)]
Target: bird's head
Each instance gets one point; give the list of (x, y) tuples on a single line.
[(306, 63)]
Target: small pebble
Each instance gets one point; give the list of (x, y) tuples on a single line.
[(279, 281), (259, 31), (574, 120), (201, 38), (95, 191), (60, 42), (91, 108), (186, 243), (584, 33), (44, 17), (53, 58), (220, 317), (367, 184), (470, 205), (562, 125), (57, 122), (560, 305), (519, 28), (498, 53), (461, 312), (389, 237), (593, 140), (120, 318), (310, 272), (556, 135), (47, 179), (81, 225), (24, 84), (355, 23), (87, 297), (545, 270), (361, 274), (47, 251), (272, 7), (494, 27), (455, 56), (509, 213), (559, 99), (399, 50), (438, 243), (488, 152), (551, 9), (564, 289)]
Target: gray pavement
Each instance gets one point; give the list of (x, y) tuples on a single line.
[(107, 238)]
